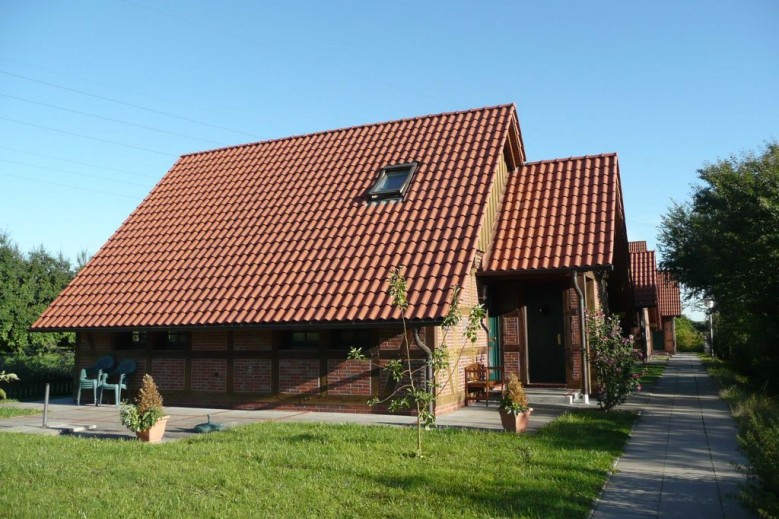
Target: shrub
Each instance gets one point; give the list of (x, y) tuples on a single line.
[(147, 409), (759, 440), (43, 365), (6, 377), (514, 399), (615, 361)]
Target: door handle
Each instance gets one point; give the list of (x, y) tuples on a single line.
[(559, 340)]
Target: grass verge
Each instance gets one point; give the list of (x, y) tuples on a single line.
[(757, 415), (653, 370), (7, 410), (318, 470)]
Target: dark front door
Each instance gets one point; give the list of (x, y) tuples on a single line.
[(546, 347)]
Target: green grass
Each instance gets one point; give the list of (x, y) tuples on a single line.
[(317, 470), (757, 415), (653, 371), (8, 411)]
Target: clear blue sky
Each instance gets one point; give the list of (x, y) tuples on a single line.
[(98, 98)]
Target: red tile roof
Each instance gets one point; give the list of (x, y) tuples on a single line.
[(670, 300), (559, 214), (280, 231), (637, 246), (644, 271)]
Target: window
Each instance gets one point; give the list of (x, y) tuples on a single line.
[(392, 182), (172, 341), (134, 340), (348, 339), (302, 340)]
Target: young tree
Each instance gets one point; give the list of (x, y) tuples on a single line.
[(410, 392), (723, 245)]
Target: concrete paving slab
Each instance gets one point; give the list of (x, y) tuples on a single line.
[(64, 416), (679, 460)]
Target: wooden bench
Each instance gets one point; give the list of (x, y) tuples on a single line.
[(480, 381)]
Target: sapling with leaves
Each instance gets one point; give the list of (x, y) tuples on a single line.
[(409, 392)]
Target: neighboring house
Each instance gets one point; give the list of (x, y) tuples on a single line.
[(657, 300), (248, 272), (670, 305), (643, 269)]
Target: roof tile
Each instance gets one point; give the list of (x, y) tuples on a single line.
[(269, 232), (555, 212)]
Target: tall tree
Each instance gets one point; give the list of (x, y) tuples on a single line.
[(724, 246), (27, 286)]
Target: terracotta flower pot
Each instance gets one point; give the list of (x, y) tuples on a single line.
[(516, 424), (155, 433)]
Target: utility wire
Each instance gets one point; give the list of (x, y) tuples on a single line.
[(150, 95), (79, 188), (124, 103), (104, 118), (87, 164), (301, 57), (98, 139), (27, 164)]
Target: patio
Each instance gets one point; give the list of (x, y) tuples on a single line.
[(64, 417)]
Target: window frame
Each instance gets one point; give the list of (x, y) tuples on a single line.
[(376, 193)]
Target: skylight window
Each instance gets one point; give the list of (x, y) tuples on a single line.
[(393, 181)]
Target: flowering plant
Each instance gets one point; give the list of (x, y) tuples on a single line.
[(616, 363)]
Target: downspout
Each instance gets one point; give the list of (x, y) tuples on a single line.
[(585, 361), (429, 368)]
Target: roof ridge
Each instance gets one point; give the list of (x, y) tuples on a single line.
[(562, 159), (355, 127)]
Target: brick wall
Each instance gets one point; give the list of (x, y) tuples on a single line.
[(298, 376), (511, 364), (209, 340), (169, 374), (209, 375), (252, 375), (348, 377)]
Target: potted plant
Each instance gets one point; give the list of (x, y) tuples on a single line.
[(146, 418), (514, 409)]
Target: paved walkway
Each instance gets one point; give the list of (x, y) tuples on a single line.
[(678, 462)]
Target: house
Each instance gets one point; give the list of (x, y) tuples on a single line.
[(657, 299), (670, 306), (247, 274), (643, 269)]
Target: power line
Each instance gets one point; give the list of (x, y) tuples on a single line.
[(150, 95), (27, 164), (301, 57), (79, 188), (87, 164), (104, 118), (124, 103), (98, 139)]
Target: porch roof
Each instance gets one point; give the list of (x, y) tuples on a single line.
[(560, 214)]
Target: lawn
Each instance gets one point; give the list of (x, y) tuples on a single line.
[(303, 470), (653, 371), (7, 410)]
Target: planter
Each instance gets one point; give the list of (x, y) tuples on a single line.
[(155, 433), (516, 424)]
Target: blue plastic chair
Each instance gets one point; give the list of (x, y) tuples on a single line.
[(89, 378), (118, 379)]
